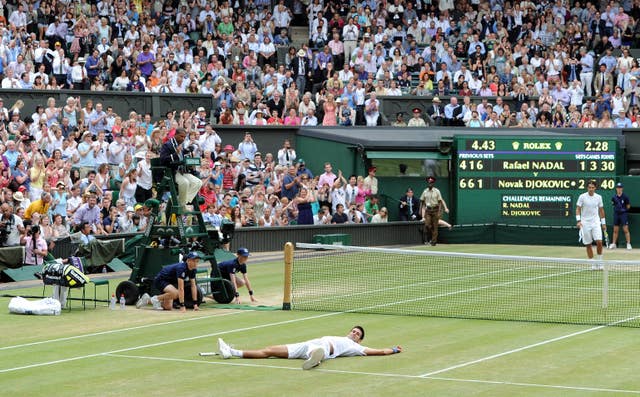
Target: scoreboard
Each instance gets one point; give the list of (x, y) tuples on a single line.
[(530, 180)]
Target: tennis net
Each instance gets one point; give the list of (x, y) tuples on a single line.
[(457, 285)]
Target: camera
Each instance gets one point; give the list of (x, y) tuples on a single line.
[(5, 230)]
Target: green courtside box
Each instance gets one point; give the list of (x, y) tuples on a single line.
[(332, 239)]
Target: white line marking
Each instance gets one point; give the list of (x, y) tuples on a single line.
[(64, 360), (232, 363), (115, 331), (542, 343)]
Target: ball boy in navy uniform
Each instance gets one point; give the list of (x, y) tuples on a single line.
[(171, 280), (229, 269), (621, 205)]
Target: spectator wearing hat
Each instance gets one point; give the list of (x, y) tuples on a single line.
[(301, 68), (18, 199), (79, 75), (621, 205), (431, 206), (171, 282), (417, 120), (436, 112), (229, 270), (302, 170)]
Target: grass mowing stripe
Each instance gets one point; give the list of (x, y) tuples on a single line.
[(531, 346), (167, 342), (538, 385), (113, 331), (231, 363)]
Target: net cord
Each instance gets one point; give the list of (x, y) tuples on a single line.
[(514, 258)]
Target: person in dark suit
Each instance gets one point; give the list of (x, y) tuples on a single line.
[(301, 68), (435, 112), (409, 207), (172, 155)]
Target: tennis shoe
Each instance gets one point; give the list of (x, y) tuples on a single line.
[(612, 246), (629, 246), (144, 300), (225, 350), (156, 303), (315, 358)]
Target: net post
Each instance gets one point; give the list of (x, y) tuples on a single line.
[(605, 286), (288, 269)]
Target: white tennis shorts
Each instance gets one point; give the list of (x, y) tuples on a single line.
[(591, 232), (304, 349)]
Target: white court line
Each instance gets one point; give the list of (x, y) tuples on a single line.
[(233, 363), (114, 331), (531, 346), (273, 324), (64, 360)]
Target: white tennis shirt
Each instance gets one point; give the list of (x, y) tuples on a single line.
[(590, 206)]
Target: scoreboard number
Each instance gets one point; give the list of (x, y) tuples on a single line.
[(483, 145), (596, 146), (471, 183), (471, 165), (601, 166)]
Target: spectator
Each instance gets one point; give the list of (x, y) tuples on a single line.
[(339, 215)]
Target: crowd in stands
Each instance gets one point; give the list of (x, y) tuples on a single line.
[(559, 64), (549, 55)]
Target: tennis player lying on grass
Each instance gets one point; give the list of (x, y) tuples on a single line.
[(313, 351)]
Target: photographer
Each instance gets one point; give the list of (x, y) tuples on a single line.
[(247, 147), (11, 227), (355, 216), (35, 247)]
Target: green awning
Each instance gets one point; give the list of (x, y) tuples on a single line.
[(407, 155)]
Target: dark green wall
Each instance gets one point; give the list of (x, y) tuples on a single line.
[(342, 156)]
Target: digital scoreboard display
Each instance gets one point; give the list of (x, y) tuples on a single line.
[(529, 180)]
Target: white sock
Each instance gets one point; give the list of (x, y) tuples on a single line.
[(600, 257), (236, 352)]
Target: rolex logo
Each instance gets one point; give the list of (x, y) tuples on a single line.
[(558, 145), (515, 145)]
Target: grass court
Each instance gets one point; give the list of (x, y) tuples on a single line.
[(106, 352)]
